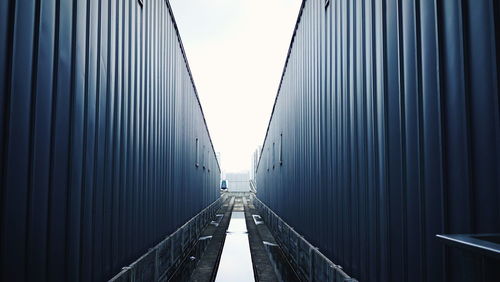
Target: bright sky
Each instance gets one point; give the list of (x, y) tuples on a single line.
[(236, 50)]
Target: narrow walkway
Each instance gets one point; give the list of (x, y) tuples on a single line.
[(206, 267), (242, 249), (270, 264)]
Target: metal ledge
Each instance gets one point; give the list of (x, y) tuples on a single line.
[(484, 244)]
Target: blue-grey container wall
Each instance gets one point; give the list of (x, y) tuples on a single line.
[(99, 121), (385, 132)]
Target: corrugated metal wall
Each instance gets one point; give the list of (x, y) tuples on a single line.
[(386, 131), (99, 121)]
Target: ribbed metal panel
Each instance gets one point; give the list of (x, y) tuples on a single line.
[(388, 116), (99, 121)]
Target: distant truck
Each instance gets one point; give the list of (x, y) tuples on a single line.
[(223, 185)]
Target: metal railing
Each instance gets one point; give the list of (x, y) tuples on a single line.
[(253, 186), (310, 263), (161, 261)]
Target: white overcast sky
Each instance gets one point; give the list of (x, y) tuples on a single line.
[(236, 50)]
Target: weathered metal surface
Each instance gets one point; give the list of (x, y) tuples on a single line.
[(388, 116), (98, 122)]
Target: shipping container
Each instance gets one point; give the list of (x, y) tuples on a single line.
[(101, 130), (386, 131)]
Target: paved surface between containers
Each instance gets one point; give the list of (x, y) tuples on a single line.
[(240, 248)]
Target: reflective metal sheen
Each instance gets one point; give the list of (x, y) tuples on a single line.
[(98, 121), (388, 125)]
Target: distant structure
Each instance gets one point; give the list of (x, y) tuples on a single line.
[(219, 160), (218, 156), (238, 182), (255, 162)]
